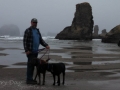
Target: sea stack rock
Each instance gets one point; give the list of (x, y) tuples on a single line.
[(104, 32), (82, 24), (11, 30), (113, 36), (96, 29), (95, 33)]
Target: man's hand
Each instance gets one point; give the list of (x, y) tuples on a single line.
[(47, 47), (28, 52)]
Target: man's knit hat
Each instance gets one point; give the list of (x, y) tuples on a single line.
[(34, 20)]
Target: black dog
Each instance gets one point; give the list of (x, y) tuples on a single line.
[(54, 68), (41, 66), (57, 69)]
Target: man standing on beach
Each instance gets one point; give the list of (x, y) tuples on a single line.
[(31, 40)]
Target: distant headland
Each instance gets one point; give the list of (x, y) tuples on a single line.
[(10, 29)]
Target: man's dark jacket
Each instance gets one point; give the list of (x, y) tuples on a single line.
[(28, 39)]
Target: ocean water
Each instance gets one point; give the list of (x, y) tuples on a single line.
[(13, 46)]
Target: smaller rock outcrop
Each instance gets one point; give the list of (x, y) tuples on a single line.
[(11, 30), (113, 36), (104, 32), (95, 34), (96, 29)]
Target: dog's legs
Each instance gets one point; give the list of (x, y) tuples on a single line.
[(63, 78), (43, 78), (58, 80), (54, 79)]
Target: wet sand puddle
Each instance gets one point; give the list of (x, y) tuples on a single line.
[(75, 53)]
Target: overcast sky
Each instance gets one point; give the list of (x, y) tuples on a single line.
[(55, 15)]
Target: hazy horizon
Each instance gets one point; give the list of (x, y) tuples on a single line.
[(53, 16)]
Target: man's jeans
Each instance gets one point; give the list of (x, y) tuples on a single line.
[(30, 67)]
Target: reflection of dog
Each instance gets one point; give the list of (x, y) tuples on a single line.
[(57, 69)]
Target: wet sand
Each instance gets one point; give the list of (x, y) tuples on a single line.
[(85, 70)]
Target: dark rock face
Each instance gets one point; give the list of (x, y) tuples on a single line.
[(113, 36), (11, 30), (82, 24)]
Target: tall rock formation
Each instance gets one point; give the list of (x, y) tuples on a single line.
[(82, 24), (96, 29), (95, 34), (11, 30), (113, 36)]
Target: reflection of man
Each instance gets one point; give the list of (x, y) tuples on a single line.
[(31, 40)]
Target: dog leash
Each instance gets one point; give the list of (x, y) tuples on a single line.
[(41, 50), (47, 50)]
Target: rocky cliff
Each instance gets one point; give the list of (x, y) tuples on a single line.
[(113, 36), (82, 24), (11, 30)]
